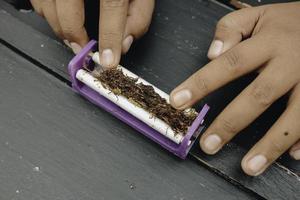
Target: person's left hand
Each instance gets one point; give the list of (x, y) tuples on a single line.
[(266, 39), (120, 23)]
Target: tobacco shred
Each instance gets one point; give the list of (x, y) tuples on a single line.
[(145, 97)]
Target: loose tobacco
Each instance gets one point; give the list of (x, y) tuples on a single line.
[(145, 97)]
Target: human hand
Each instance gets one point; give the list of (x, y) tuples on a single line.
[(265, 39), (66, 18), (121, 21)]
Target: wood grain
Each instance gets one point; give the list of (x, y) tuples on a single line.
[(178, 39), (56, 145)]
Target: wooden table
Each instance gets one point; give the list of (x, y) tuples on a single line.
[(56, 145)]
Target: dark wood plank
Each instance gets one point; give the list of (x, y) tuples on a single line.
[(17, 32), (239, 3), (56, 145), (178, 38), (28, 16)]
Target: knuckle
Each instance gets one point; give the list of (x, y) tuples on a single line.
[(110, 37), (262, 94), (71, 32), (277, 147), (113, 3), (232, 61), (225, 23), (68, 30), (200, 84), (228, 126), (46, 2)]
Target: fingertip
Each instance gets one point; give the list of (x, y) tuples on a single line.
[(295, 154), (109, 59), (255, 165), (126, 44), (82, 39), (171, 99), (245, 168), (210, 143), (215, 49), (76, 48), (67, 43), (295, 151), (180, 98)]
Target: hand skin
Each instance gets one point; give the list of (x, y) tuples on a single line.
[(265, 39), (121, 21)]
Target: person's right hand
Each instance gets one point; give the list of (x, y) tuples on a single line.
[(265, 39), (121, 21)]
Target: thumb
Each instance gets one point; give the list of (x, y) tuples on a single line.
[(232, 29)]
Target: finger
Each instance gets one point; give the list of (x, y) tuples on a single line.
[(282, 135), (49, 12), (271, 84), (113, 14), (295, 150), (37, 6), (232, 29), (71, 18), (138, 21), (236, 62)]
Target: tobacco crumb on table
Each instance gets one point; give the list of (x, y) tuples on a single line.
[(145, 97), (36, 169)]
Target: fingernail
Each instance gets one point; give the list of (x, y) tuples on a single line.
[(256, 164), (215, 49), (107, 58), (211, 143), (296, 154), (96, 57), (67, 43), (127, 43), (75, 47), (181, 97)]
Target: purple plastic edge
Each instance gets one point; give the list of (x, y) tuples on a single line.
[(181, 150)]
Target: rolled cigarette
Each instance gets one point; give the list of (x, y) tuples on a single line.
[(140, 113)]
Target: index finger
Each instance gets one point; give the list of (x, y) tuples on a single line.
[(113, 14), (232, 64)]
